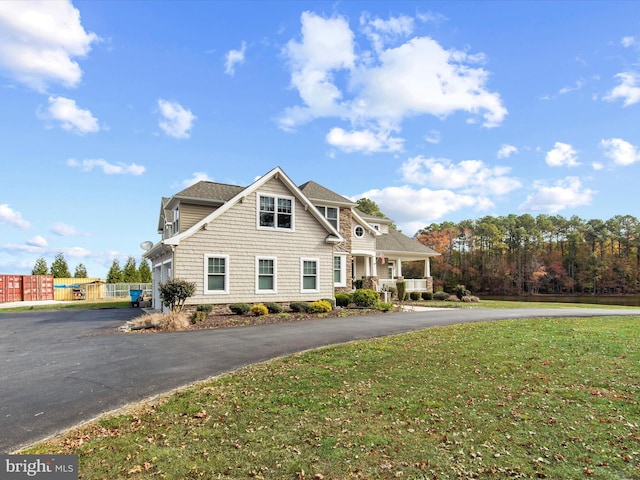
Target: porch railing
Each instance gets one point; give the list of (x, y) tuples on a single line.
[(412, 284)]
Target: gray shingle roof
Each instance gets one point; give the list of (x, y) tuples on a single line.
[(316, 192), (394, 241), (212, 191)]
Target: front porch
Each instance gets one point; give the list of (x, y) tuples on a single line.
[(381, 274)]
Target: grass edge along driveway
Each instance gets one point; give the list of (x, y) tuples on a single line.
[(538, 398)]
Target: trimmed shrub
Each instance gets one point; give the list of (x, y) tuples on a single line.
[(365, 297), (204, 308), (332, 302), (259, 310), (427, 296), (239, 308), (319, 306), (441, 296), (358, 284), (175, 292), (415, 296), (453, 298), (402, 290), (470, 299), (461, 291), (198, 316), (384, 306), (273, 307), (299, 307), (343, 299)]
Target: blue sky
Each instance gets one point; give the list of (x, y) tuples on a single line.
[(437, 111)]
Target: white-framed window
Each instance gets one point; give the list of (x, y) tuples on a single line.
[(176, 221), (275, 212), (340, 271), (331, 214), (216, 274), (309, 275), (358, 231), (266, 271)]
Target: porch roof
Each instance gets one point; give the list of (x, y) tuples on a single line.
[(399, 244)]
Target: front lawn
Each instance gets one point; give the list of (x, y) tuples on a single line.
[(541, 398)]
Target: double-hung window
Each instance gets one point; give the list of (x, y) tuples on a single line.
[(266, 275), (331, 214), (275, 212), (309, 275), (216, 274), (340, 271)]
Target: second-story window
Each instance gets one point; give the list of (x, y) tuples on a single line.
[(331, 214), (275, 212), (176, 222)]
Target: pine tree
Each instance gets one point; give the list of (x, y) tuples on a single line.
[(40, 267), (81, 271), (130, 272), (144, 270), (115, 273), (59, 267)]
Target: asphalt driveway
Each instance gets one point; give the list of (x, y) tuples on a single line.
[(60, 368)]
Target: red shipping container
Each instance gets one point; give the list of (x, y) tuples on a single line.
[(10, 288), (37, 287)]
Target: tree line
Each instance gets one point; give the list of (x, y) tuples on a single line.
[(129, 273), (523, 254)]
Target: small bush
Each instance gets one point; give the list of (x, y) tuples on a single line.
[(204, 308), (384, 306), (332, 302), (402, 289), (415, 296), (174, 321), (175, 292), (453, 298), (470, 299), (343, 299), (441, 296), (198, 316), (319, 306), (365, 297), (259, 310), (427, 296), (358, 284), (239, 308), (273, 307), (461, 291), (299, 307), (406, 296)]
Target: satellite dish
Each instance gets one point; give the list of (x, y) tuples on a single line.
[(146, 246)]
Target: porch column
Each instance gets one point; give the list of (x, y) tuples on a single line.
[(374, 263), (398, 267), (427, 267), (367, 266)]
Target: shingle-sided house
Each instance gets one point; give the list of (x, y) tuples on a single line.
[(273, 241)]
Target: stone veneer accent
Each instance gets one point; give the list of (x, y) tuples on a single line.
[(346, 230)]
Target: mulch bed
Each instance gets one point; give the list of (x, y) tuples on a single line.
[(217, 320)]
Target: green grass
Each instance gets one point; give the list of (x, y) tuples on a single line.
[(70, 305), (516, 304), (540, 398)]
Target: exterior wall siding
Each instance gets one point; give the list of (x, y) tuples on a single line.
[(192, 214), (235, 234)]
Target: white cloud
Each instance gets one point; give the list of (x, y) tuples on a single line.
[(77, 252), (107, 168), (380, 32), (566, 193), (65, 230), (176, 120), (376, 90), (39, 41), (562, 155), (507, 150), (433, 137), (195, 178), (577, 86), (365, 141), (469, 176), (620, 151), (37, 241), (628, 90), (628, 41), (233, 58), (71, 117), (413, 209), (10, 216)]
